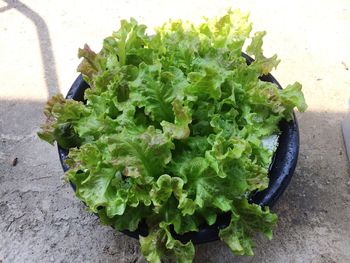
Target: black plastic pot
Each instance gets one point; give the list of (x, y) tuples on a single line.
[(280, 171)]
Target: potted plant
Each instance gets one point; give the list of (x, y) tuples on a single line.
[(165, 136)]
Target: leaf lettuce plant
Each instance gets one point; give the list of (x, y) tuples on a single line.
[(171, 131)]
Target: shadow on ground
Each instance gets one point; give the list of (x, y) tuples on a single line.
[(43, 34), (41, 221)]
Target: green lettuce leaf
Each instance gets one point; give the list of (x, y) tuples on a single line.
[(247, 219), (262, 64), (156, 90), (160, 245)]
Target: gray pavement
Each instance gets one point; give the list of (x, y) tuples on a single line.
[(42, 221)]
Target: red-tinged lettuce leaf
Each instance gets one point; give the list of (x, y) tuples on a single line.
[(62, 117), (179, 129), (140, 155), (89, 66), (160, 245), (292, 96)]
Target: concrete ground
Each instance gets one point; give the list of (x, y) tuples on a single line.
[(42, 221)]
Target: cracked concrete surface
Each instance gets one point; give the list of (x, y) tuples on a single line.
[(42, 221)]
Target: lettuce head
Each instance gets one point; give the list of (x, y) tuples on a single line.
[(171, 131)]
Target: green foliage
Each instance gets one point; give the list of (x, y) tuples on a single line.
[(172, 131)]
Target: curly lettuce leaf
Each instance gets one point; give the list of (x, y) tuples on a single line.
[(155, 90), (62, 118), (160, 245), (140, 155), (247, 219), (179, 129), (262, 64)]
